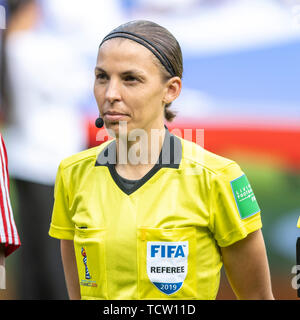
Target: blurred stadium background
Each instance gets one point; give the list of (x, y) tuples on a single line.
[(240, 84)]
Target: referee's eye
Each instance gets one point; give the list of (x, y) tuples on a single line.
[(130, 78), (101, 76)]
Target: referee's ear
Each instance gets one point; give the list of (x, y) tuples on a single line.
[(172, 89)]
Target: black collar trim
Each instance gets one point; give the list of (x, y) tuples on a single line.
[(170, 157)]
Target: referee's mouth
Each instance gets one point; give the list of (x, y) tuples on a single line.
[(114, 116)]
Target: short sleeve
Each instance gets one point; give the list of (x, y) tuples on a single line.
[(298, 223), (61, 226), (234, 211)]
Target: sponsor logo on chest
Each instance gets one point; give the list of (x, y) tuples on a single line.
[(167, 264)]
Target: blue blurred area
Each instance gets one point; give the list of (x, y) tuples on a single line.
[(267, 74), (128, 5)]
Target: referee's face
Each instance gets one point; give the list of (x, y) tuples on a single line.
[(129, 86)]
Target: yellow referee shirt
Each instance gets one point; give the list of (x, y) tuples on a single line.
[(161, 239)]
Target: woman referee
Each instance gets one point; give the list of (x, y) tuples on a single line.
[(149, 215)]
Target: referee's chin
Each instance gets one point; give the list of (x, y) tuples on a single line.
[(118, 129)]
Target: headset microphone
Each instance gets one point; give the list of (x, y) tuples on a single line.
[(99, 123)]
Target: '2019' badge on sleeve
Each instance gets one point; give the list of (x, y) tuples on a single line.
[(244, 197), (167, 264)]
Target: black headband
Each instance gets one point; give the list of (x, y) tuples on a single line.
[(146, 43)]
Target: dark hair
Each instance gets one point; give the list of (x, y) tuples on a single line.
[(164, 43)]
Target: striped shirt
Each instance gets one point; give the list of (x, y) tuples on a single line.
[(8, 232)]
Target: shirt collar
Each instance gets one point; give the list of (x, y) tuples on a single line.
[(170, 155)]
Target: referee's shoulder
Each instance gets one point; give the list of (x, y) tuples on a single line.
[(197, 155), (88, 155)]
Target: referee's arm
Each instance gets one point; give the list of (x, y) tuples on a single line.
[(247, 268), (70, 268)]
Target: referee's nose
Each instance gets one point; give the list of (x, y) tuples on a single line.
[(113, 91)]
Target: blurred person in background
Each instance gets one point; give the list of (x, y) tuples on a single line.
[(27, 111), (44, 84), (9, 238)]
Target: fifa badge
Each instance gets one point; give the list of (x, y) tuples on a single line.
[(167, 264)]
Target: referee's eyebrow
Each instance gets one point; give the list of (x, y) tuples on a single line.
[(132, 71), (99, 69)]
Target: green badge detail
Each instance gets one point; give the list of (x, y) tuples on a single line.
[(244, 197)]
